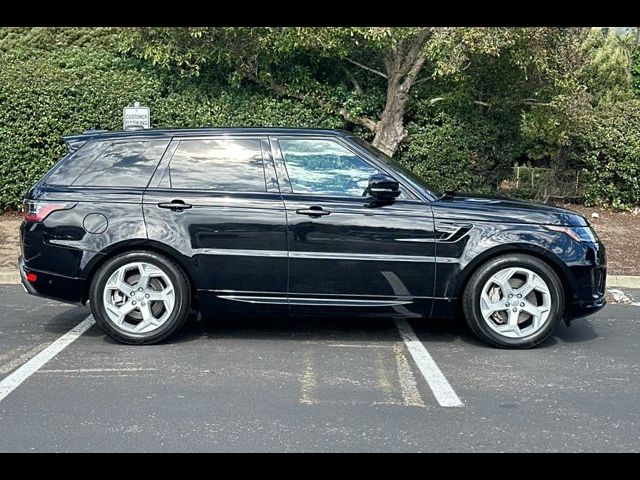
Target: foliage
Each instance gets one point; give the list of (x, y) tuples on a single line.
[(479, 101), (612, 149)]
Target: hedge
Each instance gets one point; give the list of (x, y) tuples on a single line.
[(48, 93)]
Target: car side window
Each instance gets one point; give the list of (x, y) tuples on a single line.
[(217, 164), (127, 163), (324, 167)]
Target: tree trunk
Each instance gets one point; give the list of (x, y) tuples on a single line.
[(402, 64), (390, 130)]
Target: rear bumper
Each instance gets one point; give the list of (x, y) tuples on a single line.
[(55, 287)]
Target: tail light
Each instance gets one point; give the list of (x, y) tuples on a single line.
[(37, 211)]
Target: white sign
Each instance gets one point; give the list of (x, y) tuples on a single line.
[(136, 116)]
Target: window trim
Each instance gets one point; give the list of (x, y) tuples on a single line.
[(275, 141), (165, 164)]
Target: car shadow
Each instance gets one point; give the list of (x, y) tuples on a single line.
[(306, 328)]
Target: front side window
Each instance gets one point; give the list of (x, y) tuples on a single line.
[(218, 164), (123, 164), (324, 167)]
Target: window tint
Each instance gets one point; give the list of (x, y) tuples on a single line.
[(224, 165), (74, 163), (124, 164), (324, 167)]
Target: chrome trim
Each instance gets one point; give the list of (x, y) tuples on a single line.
[(361, 256), (241, 252), (314, 301), (347, 303), (255, 299), (417, 240), (316, 255)]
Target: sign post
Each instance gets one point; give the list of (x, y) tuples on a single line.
[(136, 117)]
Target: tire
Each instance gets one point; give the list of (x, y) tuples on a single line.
[(165, 284), (497, 328)]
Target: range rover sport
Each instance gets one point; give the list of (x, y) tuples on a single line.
[(149, 226)]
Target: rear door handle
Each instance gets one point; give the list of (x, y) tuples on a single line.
[(175, 205), (313, 211)]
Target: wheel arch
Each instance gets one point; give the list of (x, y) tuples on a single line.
[(136, 245), (546, 256)]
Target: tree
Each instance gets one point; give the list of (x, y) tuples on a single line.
[(314, 64)]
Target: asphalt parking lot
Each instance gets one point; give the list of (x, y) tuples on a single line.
[(316, 385)]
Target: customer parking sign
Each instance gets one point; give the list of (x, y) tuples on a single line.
[(136, 116)]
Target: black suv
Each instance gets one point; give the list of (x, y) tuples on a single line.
[(149, 226)]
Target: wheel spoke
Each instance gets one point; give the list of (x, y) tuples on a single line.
[(145, 276), (502, 279), (121, 312), (148, 320), (534, 282)]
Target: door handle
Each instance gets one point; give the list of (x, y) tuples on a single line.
[(313, 211), (175, 205)]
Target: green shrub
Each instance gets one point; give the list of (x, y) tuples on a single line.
[(613, 156), (461, 152)]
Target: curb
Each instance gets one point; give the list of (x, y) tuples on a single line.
[(9, 277), (12, 277), (628, 281)]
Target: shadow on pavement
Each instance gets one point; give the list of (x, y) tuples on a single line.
[(319, 329)]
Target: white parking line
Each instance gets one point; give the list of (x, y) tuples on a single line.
[(439, 385), (13, 381)]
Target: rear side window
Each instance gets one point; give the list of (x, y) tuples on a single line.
[(123, 164), (217, 164), (75, 163)]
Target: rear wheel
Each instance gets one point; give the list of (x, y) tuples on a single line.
[(513, 301), (140, 297)]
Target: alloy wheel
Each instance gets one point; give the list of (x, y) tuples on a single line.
[(138, 297), (515, 302)]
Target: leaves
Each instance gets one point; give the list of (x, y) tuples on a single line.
[(482, 99)]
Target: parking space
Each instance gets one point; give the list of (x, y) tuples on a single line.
[(323, 385)]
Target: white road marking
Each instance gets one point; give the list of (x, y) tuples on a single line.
[(97, 370), (13, 381), (439, 385), (345, 345)]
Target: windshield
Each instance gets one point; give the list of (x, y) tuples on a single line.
[(396, 165)]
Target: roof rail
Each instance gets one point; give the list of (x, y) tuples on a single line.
[(94, 131)]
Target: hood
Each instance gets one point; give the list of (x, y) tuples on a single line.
[(504, 210)]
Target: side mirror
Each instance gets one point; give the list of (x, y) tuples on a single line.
[(382, 187)]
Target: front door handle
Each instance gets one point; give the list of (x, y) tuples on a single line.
[(313, 211), (175, 205)]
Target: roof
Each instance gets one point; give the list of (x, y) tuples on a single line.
[(182, 132)]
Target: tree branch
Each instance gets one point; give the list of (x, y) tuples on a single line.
[(372, 70), (353, 79), (415, 51), (422, 80), (284, 91)]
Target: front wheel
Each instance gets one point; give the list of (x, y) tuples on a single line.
[(140, 297), (513, 301)]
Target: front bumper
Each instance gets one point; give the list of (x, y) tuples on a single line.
[(582, 309), (590, 284), (48, 285)]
